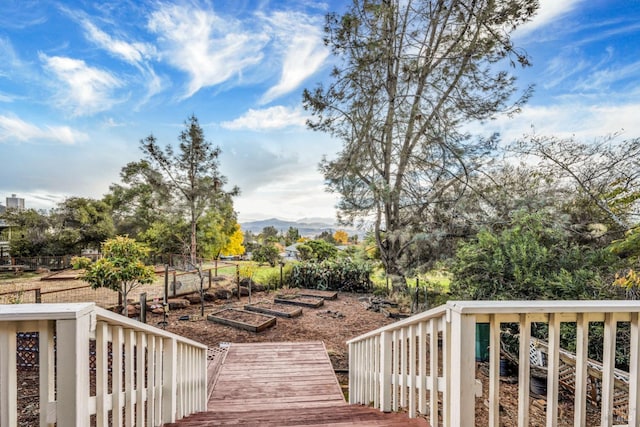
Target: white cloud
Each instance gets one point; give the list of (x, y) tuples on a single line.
[(304, 51), (582, 120), (209, 48), (14, 128), (134, 53), (277, 117), (85, 90), (550, 11)]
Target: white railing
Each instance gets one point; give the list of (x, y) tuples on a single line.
[(142, 375), (426, 364)]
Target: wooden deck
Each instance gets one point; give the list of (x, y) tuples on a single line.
[(284, 384)]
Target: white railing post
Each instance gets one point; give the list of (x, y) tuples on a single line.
[(102, 411), (385, 371), (169, 380), (8, 379), (72, 388), (462, 357)]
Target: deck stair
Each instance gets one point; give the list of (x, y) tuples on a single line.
[(284, 384)]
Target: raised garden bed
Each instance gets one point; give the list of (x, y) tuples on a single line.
[(242, 319), (327, 295), (274, 309), (312, 302)]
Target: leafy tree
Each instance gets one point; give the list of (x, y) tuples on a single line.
[(84, 223), (267, 253), (120, 268), (322, 250), (269, 234), (185, 182), (234, 247), (327, 236), (412, 75), (292, 236), (30, 232), (604, 172), (341, 237), (530, 259)]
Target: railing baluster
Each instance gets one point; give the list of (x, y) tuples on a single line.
[(524, 370), (117, 379), (582, 348), (494, 371), (434, 354), (608, 366), (140, 377), (151, 379), (386, 348), (129, 378), (102, 411), (634, 377), (422, 368), (412, 372), (395, 366), (403, 367), (375, 379), (553, 367)]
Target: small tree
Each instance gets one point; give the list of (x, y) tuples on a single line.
[(120, 268)]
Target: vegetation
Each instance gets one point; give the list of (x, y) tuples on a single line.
[(120, 268), (178, 194), (411, 76), (338, 275), (529, 259)]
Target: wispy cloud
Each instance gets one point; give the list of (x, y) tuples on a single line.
[(83, 89), (9, 60), (14, 128), (550, 11), (131, 52), (138, 54), (209, 48), (303, 51), (277, 117)]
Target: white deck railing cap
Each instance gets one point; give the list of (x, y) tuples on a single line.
[(59, 311), (538, 306)]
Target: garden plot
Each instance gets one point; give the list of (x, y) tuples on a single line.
[(274, 309), (242, 319)]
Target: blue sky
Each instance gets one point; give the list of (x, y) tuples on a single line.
[(81, 82)]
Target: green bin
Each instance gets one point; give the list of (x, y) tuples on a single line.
[(482, 342)]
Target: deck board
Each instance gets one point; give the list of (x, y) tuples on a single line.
[(277, 375), (284, 384)]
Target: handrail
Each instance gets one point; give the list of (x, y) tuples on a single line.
[(426, 363), (142, 374)]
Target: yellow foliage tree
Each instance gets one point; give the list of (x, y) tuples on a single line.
[(234, 247), (341, 237)]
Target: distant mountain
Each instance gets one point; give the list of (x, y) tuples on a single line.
[(307, 227)]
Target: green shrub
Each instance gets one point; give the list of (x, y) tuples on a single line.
[(336, 275), (80, 262)]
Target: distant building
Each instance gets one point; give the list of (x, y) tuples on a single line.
[(2, 209), (15, 202)]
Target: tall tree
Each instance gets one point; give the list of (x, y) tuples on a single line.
[(188, 178), (412, 74), (604, 172)]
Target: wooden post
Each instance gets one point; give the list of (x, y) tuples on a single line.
[(462, 357), (143, 307), (38, 296), (238, 279), (72, 388), (8, 378)]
